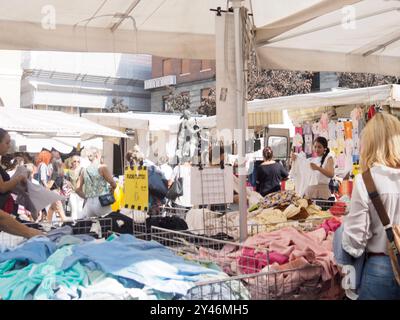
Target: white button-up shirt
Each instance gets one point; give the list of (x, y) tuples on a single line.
[(363, 229)]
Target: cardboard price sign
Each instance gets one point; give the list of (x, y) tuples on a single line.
[(136, 188)]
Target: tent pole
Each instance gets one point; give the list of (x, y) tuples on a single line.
[(241, 114)]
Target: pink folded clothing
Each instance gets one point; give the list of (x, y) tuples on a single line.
[(251, 261), (331, 225), (296, 244)]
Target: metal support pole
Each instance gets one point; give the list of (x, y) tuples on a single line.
[(241, 114)]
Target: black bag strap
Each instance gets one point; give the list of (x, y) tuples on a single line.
[(377, 202)]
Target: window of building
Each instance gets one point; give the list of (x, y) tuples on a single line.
[(165, 102), (206, 65), (167, 67), (205, 93), (185, 66)]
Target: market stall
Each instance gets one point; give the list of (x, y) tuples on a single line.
[(292, 35)]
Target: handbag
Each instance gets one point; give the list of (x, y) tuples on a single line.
[(157, 183), (106, 199), (392, 232), (176, 189)]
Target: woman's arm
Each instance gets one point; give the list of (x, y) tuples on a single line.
[(328, 171), (7, 186), (356, 225), (10, 225), (79, 186), (284, 173), (108, 177)]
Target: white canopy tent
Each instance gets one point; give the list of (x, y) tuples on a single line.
[(39, 123), (386, 95), (146, 121), (316, 35)]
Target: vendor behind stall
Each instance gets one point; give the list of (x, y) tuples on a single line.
[(319, 173), (269, 174)]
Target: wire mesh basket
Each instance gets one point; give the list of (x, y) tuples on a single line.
[(335, 207), (142, 221), (291, 284), (251, 266), (96, 227)]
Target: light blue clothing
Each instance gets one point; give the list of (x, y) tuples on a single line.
[(146, 262), (378, 282), (35, 250), (95, 185), (40, 281)]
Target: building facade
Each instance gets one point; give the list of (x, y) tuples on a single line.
[(193, 78), (84, 82)]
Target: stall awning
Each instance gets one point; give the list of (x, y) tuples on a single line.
[(145, 120), (386, 95), (319, 35), (262, 119), (53, 124)]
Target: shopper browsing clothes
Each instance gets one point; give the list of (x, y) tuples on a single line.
[(44, 176), (312, 176), (72, 175), (95, 181), (363, 230), (56, 183), (269, 174), (7, 222)]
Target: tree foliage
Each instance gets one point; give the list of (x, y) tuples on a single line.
[(362, 80)]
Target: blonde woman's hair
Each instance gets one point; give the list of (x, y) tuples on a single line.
[(380, 142)]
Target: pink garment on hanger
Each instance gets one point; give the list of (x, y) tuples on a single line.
[(324, 122), (341, 161), (298, 139)]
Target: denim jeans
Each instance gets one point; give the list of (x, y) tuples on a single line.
[(378, 282)]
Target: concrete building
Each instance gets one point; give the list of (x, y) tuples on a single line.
[(10, 78), (84, 82), (189, 77)]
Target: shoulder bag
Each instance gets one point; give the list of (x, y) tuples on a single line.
[(176, 189), (106, 199)]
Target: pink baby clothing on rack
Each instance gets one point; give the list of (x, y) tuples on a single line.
[(324, 122), (332, 130)]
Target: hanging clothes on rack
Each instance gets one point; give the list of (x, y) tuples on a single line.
[(324, 121), (308, 139), (341, 161), (339, 130), (316, 129), (332, 130), (371, 112), (348, 128), (298, 139), (323, 126)]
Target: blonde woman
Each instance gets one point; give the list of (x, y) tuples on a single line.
[(363, 230), (96, 180), (72, 176)]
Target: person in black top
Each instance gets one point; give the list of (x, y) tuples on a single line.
[(269, 174), (8, 223)]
